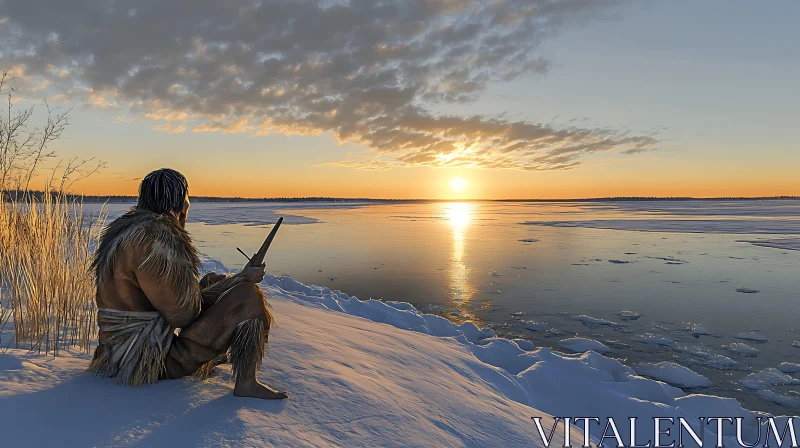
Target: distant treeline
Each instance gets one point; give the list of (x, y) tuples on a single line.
[(37, 195)]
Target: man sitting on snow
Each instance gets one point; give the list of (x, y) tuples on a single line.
[(146, 271)]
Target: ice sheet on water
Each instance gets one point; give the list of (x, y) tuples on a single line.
[(655, 339), (700, 330), (700, 351), (789, 367), (630, 315), (580, 345), (792, 401), (755, 336), (782, 243), (747, 291), (774, 226), (534, 325), (708, 358), (596, 321), (672, 373), (768, 378), (247, 213), (739, 347), (720, 362), (670, 260)]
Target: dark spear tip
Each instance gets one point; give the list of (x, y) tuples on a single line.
[(258, 258)]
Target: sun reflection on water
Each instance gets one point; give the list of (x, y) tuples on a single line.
[(459, 215)]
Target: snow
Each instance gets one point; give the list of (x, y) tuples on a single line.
[(789, 367), (755, 336), (353, 382), (357, 377), (674, 374), (655, 339), (524, 344), (744, 349), (581, 345)]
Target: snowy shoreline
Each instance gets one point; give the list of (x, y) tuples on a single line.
[(354, 382)]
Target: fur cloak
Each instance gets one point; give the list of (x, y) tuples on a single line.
[(134, 342)]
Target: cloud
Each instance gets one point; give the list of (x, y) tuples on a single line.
[(364, 71), (169, 127)]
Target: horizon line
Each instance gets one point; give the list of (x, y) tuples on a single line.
[(201, 198)]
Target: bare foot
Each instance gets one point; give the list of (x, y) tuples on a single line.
[(257, 390)]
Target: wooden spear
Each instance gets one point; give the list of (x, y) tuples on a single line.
[(258, 258)]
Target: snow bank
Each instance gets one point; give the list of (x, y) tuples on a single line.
[(580, 345), (674, 374), (353, 382), (357, 377)]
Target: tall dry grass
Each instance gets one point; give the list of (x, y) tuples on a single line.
[(47, 288)]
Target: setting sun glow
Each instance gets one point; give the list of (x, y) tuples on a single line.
[(458, 184)]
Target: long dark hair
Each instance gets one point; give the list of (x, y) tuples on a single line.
[(163, 191)]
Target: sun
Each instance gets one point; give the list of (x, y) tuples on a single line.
[(458, 184)]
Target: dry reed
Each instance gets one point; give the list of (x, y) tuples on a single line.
[(46, 286)]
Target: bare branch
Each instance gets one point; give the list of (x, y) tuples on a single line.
[(24, 147)]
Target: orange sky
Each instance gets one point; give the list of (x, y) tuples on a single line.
[(645, 177)]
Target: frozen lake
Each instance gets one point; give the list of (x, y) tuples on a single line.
[(709, 285)]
